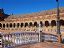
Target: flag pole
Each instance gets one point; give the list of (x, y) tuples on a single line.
[(58, 23)]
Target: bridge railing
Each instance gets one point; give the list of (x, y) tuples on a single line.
[(15, 39), (49, 37)]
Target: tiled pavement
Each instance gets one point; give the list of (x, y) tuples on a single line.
[(42, 45)]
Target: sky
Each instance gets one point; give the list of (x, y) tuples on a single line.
[(28, 6)]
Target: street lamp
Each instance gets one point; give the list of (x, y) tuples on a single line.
[(58, 23)]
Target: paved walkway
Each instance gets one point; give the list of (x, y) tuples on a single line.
[(42, 45)]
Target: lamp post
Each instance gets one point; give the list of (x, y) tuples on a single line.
[(58, 23)]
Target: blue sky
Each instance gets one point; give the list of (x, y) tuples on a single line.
[(28, 6)]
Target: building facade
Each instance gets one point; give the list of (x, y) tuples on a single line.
[(45, 21), (30, 22)]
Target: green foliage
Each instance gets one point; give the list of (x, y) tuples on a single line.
[(6, 42)]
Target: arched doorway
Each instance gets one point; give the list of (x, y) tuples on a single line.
[(7, 25), (3, 25), (10, 25), (22, 24), (41, 23), (30, 24), (26, 24), (53, 23), (46, 23), (18, 24), (35, 24), (14, 25), (61, 22), (0, 25)]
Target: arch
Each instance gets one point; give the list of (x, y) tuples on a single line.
[(30, 24), (26, 24), (14, 25), (35, 24), (61, 22), (53, 23), (21, 24), (41, 23), (0, 25), (3, 25), (46, 23), (7, 25), (10, 25), (18, 24)]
